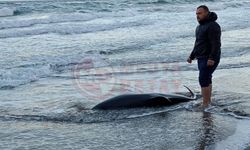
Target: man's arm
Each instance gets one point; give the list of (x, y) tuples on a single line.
[(214, 36), (191, 56)]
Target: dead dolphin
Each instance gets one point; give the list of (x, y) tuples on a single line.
[(144, 100)]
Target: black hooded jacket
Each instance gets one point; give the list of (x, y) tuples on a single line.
[(208, 39)]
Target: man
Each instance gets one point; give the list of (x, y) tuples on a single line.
[(207, 50)]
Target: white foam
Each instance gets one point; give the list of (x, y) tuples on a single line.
[(155, 112), (72, 27), (7, 11), (49, 18), (20, 76), (16, 76), (45, 19)]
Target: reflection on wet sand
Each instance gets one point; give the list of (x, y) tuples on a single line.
[(208, 133)]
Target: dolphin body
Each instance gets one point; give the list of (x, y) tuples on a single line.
[(144, 100)]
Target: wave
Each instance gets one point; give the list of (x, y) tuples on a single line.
[(42, 6), (234, 65), (27, 73), (155, 2), (4, 12), (170, 1), (47, 19), (52, 18), (72, 28), (15, 77), (236, 51)]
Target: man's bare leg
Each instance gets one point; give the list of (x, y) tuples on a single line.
[(210, 86), (206, 94)]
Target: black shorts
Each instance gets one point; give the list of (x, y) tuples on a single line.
[(205, 72)]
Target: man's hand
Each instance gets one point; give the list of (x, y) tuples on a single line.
[(210, 62), (189, 60)]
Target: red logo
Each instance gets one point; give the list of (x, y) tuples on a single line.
[(97, 79)]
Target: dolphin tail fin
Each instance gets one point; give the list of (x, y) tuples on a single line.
[(193, 95)]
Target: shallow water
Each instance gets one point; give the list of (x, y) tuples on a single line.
[(59, 59)]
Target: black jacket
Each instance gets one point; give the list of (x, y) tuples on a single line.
[(208, 39)]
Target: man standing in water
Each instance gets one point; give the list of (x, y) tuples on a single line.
[(207, 50)]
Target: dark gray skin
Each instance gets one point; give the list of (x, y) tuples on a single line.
[(144, 100)]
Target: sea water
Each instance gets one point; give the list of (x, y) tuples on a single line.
[(60, 58)]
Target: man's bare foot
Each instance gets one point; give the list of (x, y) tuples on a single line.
[(205, 105), (201, 107)]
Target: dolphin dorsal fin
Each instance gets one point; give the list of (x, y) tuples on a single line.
[(192, 93)]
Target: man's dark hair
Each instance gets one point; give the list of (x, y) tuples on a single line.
[(204, 7)]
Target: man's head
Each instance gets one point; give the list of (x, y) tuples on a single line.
[(202, 13)]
